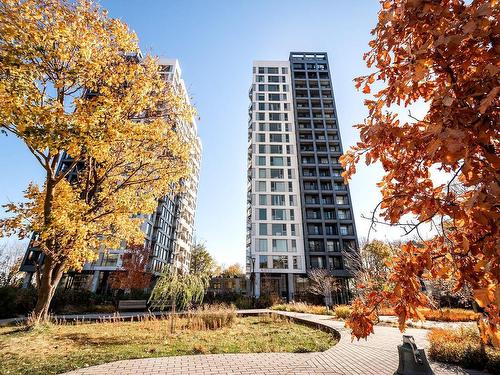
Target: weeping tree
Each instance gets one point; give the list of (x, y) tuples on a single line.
[(177, 290)]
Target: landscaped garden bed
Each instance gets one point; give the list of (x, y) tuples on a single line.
[(461, 346), (56, 348), (344, 311)]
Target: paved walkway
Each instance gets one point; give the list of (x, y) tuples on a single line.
[(375, 356)]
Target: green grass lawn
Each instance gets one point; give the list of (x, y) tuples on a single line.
[(53, 349)]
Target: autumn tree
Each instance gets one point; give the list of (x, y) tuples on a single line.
[(233, 270), (73, 87), (442, 55), (11, 256), (202, 263), (369, 265), (133, 273), (321, 283)]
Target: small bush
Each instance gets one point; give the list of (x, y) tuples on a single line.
[(266, 301), (210, 317), (462, 346), (16, 301), (7, 302), (342, 311)]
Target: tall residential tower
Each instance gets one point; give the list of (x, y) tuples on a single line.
[(299, 214)]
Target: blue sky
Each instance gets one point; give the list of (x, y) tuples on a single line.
[(216, 42)]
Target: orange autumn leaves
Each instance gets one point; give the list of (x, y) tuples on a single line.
[(446, 55)]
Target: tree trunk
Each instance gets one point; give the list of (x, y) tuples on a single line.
[(51, 275)]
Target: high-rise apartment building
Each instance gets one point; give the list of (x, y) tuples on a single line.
[(299, 212), (168, 231)]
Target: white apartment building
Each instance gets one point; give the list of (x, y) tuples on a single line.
[(275, 245)]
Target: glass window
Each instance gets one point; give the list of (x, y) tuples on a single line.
[(276, 138), (261, 137), (262, 199), (262, 106), (262, 172), (274, 106), (332, 245), (278, 200), (261, 97), (275, 149), (278, 229), (273, 87), (261, 185), (259, 78), (262, 149), (280, 245), (284, 70), (296, 262), (292, 215), (272, 79), (272, 70), (277, 186), (263, 261), (274, 127), (277, 173), (317, 262), (294, 245), (278, 214), (274, 97), (261, 160), (262, 244), (276, 161), (262, 214), (261, 70), (280, 262), (262, 229)]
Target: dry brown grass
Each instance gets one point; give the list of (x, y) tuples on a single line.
[(302, 307), (439, 315), (462, 347), (56, 348)]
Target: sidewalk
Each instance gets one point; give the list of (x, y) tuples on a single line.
[(375, 356)]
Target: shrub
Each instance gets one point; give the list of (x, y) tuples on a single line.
[(449, 315), (7, 302), (211, 317), (342, 311), (462, 346), (266, 301), (16, 301)]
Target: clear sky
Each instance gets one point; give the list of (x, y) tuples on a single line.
[(216, 42)]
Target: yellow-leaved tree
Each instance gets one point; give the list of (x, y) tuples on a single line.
[(73, 85)]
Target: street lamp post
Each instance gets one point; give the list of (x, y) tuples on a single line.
[(252, 277)]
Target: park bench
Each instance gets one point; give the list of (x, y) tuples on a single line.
[(132, 305)]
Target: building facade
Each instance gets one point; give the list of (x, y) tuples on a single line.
[(168, 231), (299, 212)]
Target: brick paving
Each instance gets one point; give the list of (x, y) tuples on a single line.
[(375, 356)]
